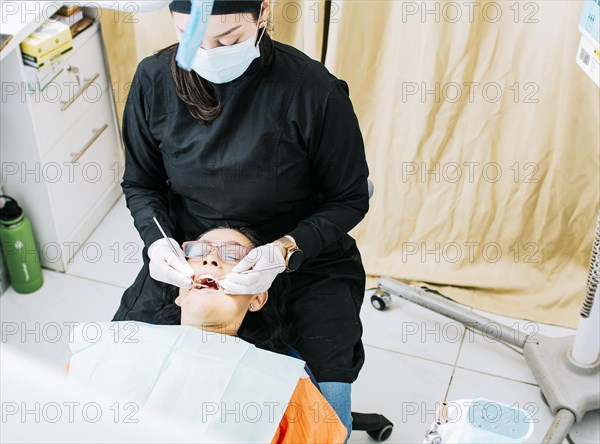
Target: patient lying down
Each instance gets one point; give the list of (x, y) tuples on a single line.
[(220, 365)]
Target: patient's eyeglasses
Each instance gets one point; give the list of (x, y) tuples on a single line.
[(230, 253)]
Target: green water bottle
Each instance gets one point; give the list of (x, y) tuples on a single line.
[(18, 246)]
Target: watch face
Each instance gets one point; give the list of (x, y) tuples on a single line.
[(295, 260)]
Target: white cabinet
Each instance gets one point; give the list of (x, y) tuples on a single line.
[(60, 153)]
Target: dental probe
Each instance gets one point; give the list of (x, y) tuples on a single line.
[(165, 236), (256, 270)]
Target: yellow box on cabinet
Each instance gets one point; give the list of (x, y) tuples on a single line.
[(47, 43)]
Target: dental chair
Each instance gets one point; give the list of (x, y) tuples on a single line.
[(377, 426)]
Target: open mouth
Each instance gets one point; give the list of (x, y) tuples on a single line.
[(206, 281)]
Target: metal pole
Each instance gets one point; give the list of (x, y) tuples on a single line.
[(454, 311), (563, 421)]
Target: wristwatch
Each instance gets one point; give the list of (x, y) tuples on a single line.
[(294, 256)]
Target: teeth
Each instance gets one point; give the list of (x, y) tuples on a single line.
[(202, 276), (198, 281), (207, 276)]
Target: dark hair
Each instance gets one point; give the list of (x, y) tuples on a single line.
[(266, 328), (199, 94)]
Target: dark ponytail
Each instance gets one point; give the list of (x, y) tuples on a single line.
[(197, 93)]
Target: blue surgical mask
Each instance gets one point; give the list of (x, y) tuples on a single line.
[(226, 63)]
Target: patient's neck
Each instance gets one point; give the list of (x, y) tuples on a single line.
[(213, 327)]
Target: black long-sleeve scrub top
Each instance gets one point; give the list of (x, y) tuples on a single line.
[(285, 156)]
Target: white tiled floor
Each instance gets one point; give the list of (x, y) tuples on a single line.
[(113, 253), (414, 358)]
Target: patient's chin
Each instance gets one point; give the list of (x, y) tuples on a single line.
[(202, 315), (199, 300), (207, 307)]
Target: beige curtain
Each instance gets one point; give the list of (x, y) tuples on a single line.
[(299, 23), (481, 134), (128, 39), (482, 138)]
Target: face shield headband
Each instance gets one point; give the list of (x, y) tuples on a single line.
[(199, 11)]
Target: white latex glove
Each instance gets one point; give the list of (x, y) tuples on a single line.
[(166, 266), (255, 282)]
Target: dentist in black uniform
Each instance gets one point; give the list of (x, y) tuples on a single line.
[(257, 135)]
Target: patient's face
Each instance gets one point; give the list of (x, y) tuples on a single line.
[(209, 307)]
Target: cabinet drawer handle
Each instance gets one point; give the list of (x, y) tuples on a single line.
[(97, 133), (66, 105)]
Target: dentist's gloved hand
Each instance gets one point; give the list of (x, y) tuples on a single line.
[(166, 266), (269, 255)]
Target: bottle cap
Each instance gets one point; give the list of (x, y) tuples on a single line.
[(10, 211)]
